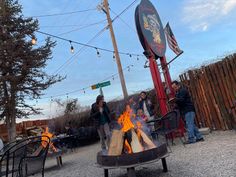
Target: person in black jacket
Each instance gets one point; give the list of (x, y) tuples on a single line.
[(186, 107), (100, 114), (146, 105)]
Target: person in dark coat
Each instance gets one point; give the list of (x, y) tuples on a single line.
[(100, 115), (186, 107), (146, 105)]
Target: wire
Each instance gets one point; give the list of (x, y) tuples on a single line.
[(80, 50), (123, 21), (124, 10), (82, 27), (91, 46), (66, 13), (78, 26), (87, 45), (84, 88)]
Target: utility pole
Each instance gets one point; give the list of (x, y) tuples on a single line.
[(120, 71)]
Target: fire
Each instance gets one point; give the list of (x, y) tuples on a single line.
[(139, 127), (128, 127), (49, 135), (135, 140), (125, 121), (128, 147)]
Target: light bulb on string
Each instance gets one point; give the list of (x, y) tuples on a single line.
[(84, 90), (33, 40), (137, 57), (98, 53), (114, 56), (113, 78), (71, 47), (130, 55), (128, 68)]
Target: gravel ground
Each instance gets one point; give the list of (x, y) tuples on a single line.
[(215, 157)]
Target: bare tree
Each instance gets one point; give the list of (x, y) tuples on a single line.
[(22, 74)]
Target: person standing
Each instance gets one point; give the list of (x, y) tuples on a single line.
[(1, 144), (186, 107), (146, 105), (100, 115)]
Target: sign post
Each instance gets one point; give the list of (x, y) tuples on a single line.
[(151, 35)]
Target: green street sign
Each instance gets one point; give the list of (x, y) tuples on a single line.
[(99, 85)]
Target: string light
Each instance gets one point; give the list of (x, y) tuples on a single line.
[(137, 57), (98, 53), (71, 47), (87, 45), (85, 88), (34, 40), (130, 55), (114, 56)]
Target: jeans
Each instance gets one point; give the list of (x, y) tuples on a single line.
[(191, 127), (104, 133)]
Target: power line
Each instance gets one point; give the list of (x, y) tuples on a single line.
[(80, 50), (124, 21), (82, 27), (95, 47), (66, 13), (78, 26), (87, 44), (124, 10)]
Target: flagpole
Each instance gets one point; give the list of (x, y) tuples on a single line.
[(175, 57)]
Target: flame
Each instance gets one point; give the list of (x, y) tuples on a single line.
[(139, 127), (125, 121), (128, 147), (139, 138), (45, 139)]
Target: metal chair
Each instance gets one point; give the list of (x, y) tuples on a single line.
[(24, 158), (35, 158), (167, 126)]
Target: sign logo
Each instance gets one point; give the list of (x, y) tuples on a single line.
[(150, 28)]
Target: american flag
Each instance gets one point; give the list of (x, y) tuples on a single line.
[(171, 40)]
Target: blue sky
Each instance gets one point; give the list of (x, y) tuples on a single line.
[(204, 29)]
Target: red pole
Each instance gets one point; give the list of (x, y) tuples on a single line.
[(167, 77), (156, 77)]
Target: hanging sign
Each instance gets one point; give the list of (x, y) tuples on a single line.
[(150, 29)]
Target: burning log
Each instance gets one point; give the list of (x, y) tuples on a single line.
[(131, 138), (135, 143), (45, 139), (116, 144), (147, 140)]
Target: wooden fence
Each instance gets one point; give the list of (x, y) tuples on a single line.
[(213, 90)]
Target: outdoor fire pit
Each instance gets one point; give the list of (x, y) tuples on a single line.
[(130, 161), (130, 146)]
